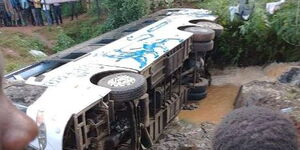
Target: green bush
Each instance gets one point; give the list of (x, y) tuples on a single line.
[(67, 8), (63, 42), (81, 31), (262, 39), (121, 12)]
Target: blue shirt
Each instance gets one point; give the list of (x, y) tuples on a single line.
[(2, 6), (24, 4), (14, 3)]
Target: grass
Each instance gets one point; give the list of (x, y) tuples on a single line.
[(15, 47)]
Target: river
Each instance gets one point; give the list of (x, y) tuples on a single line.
[(224, 89)]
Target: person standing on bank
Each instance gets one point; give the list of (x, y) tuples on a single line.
[(32, 9), (10, 12), (74, 11), (2, 14), (38, 14), (25, 12), (47, 12), (57, 13), (17, 12)]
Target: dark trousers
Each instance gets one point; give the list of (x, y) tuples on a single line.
[(57, 15), (26, 13), (20, 20), (2, 18), (74, 11), (47, 14), (6, 19), (39, 19)]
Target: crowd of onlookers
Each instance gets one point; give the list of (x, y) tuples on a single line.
[(31, 12)]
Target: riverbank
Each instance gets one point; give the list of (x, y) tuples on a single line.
[(193, 129)]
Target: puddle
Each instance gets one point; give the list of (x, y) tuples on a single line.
[(225, 86), (214, 107)]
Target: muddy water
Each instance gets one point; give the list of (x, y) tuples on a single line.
[(225, 86), (240, 76), (219, 102)]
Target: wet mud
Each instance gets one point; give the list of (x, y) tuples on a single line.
[(218, 103), (195, 127), (239, 76)]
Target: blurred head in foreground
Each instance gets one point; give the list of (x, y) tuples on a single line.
[(255, 128), (16, 129)]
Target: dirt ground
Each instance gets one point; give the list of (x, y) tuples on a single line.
[(16, 42), (40, 32), (195, 128), (31, 31)]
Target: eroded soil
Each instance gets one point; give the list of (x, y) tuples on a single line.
[(195, 128)]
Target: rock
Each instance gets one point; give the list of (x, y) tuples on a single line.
[(291, 77), (274, 95), (190, 106), (22, 93), (184, 136), (37, 54)]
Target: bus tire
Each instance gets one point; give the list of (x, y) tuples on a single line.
[(125, 86), (214, 26), (196, 96), (199, 87), (203, 46), (201, 34)]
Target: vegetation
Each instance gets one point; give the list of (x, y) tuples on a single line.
[(63, 42), (11, 41), (15, 46), (262, 39), (121, 12), (67, 8)]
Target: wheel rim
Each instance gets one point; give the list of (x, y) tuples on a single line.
[(121, 81)]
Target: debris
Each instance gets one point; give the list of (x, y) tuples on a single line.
[(274, 6), (190, 107), (291, 77), (287, 110), (37, 53), (233, 11), (184, 136), (244, 9), (22, 93)]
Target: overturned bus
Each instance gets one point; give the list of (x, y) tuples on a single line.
[(119, 90)]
